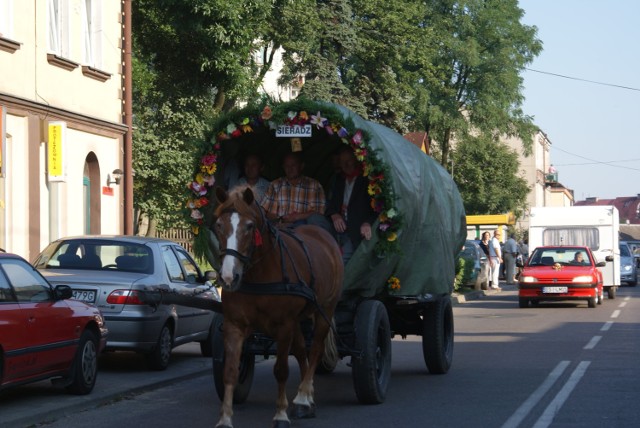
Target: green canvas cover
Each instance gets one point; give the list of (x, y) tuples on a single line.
[(432, 228)]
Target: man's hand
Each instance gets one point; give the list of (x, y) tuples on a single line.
[(365, 231), (338, 223)]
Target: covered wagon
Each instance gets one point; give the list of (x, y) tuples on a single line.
[(397, 283)]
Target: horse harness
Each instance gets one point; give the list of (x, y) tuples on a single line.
[(300, 288)]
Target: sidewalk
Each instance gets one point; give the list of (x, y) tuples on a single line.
[(120, 375), (458, 298)]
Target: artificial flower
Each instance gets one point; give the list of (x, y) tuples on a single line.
[(246, 128), (357, 138), (303, 115), (209, 159), (317, 119), (196, 214), (383, 226), (230, 128), (392, 237), (393, 283), (292, 115), (391, 213)]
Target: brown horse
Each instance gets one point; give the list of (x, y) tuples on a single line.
[(272, 279)]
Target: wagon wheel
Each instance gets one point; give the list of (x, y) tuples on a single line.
[(437, 336), (372, 369), (247, 365)]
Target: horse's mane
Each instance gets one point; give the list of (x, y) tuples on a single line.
[(235, 202)]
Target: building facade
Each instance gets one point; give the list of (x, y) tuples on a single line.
[(61, 101)]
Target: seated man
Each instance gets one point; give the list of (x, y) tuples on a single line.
[(578, 258), (295, 199), (350, 205), (253, 167)]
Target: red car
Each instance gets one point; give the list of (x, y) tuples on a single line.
[(44, 334), (561, 273)]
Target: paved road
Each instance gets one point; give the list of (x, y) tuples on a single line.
[(558, 365)]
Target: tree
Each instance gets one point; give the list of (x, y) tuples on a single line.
[(474, 86), (487, 175)]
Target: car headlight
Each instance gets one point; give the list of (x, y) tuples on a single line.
[(626, 268), (528, 279), (583, 279)]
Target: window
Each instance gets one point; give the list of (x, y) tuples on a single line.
[(6, 295), (28, 285), (58, 20), (6, 19), (172, 264), (587, 236), (92, 33), (189, 266)]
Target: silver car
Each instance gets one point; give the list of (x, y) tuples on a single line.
[(118, 275), (628, 265)]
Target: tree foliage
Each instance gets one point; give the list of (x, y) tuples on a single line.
[(487, 175), (448, 67)]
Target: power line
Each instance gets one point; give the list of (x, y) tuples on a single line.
[(583, 80), (593, 161)]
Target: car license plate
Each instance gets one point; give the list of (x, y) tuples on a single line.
[(88, 296), (554, 290)]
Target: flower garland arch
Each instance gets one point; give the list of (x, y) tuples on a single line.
[(324, 119)]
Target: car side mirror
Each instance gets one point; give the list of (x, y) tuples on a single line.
[(210, 275), (609, 258), (63, 292), (601, 264)]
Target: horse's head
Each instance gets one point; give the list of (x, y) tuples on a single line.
[(237, 230)]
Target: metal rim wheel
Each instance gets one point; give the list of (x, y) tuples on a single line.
[(371, 369), (247, 365), (437, 336), (160, 355), (85, 365)]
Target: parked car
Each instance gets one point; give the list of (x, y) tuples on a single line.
[(44, 334), (119, 275), (561, 273), (628, 265), (478, 276)]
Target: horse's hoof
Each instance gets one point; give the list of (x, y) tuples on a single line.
[(280, 424), (299, 411)]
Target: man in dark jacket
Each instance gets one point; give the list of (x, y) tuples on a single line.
[(350, 205)]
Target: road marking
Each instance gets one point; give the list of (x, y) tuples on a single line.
[(622, 304), (552, 409), (627, 298), (593, 342), (537, 395), (606, 326), (615, 313)]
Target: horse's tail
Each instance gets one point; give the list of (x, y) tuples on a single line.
[(330, 356)]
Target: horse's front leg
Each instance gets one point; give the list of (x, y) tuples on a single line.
[(303, 405), (233, 341), (281, 373)]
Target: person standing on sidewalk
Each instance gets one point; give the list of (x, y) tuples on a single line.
[(495, 254), (510, 254)]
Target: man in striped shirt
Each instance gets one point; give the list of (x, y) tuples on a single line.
[(295, 198)]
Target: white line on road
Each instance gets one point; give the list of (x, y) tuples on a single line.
[(615, 313), (537, 395), (627, 298), (622, 304), (606, 326), (554, 407), (593, 342)]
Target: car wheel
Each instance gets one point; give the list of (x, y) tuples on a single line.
[(206, 346), (159, 356), (523, 303), (592, 302), (611, 292), (85, 365), (600, 298)]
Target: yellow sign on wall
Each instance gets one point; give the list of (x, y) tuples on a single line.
[(3, 137), (55, 164)]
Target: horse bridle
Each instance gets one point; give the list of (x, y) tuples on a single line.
[(245, 259)]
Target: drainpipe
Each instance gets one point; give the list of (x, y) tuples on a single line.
[(128, 120)]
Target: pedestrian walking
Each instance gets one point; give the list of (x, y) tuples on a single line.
[(496, 258)]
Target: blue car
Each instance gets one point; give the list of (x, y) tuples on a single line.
[(628, 265)]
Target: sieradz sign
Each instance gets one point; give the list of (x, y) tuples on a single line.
[(293, 130)]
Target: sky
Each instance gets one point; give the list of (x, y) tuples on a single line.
[(594, 128)]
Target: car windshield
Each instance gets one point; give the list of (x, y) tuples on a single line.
[(97, 255), (624, 251), (563, 256)]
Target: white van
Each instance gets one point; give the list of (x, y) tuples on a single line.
[(596, 227)]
